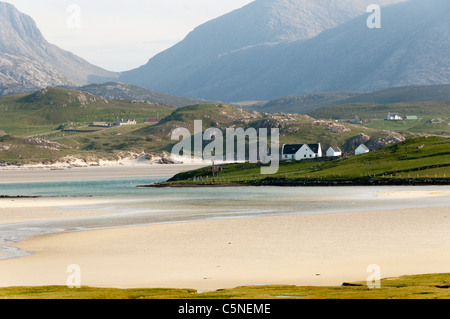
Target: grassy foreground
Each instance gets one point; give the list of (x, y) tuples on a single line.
[(433, 286)]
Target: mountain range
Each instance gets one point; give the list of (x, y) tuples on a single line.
[(28, 62), (270, 49), (266, 50)]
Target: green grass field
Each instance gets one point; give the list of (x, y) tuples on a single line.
[(421, 159), (63, 116), (432, 286), (46, 110)]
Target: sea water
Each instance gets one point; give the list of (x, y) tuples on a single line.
[(125, 204)]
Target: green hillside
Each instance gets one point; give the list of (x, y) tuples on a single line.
[(411, 94), (432, 117), (54, 123), (293, 129), (380, 111), (48, 109), (123, 91), (420, 159), (304, 104)]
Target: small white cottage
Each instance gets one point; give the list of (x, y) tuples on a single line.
[(334, 152), (362, 149), (394, 117)]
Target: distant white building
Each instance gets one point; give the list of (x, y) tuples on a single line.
[(121, 122), (394, 117), (300, 152), (334, 152), (356, 120), (362, 149)]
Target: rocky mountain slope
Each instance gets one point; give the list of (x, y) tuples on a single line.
[(256, 28), (409, 49), (28, 61)]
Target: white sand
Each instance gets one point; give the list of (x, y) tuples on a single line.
[(297, 250), (41, 174), (413, 194), (39, 209)]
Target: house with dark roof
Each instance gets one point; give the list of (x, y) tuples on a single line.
[(298, 152)]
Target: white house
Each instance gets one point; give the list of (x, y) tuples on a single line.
[(334, 152), (121, 122), (289, 151), (300, 152), (394, 117), (362, 149)]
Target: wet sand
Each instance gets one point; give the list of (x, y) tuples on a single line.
[(321, 249)]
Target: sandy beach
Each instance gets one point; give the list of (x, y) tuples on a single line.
[(322, 249), (59, 173)]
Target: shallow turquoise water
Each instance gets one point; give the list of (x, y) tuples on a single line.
[(101, 188), (123, 204)]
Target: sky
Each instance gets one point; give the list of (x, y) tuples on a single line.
[(120, 35)]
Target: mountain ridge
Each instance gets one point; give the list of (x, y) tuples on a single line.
[(407, 50), (29, 61)]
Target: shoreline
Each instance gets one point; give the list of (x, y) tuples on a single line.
[(316, 250), (45, 174), (312, 183)]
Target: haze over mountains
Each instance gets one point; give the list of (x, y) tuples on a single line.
[(304, 104), (263, 51), (124, 91), (28, 62), (271, 49)]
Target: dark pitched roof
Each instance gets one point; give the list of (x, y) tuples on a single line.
[(291, 149), (336, 149), (314, 147)]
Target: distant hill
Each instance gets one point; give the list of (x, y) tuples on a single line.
[(28, 61), (37, 117), (123, 91), (230, 58), (47, 109), (413, 93), (303, 104), (307, 104), (370, 111)]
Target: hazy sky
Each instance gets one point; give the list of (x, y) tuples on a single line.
[(120, 34)]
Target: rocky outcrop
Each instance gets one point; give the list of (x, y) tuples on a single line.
[(357, 141), (331, 126), (391, 138)]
